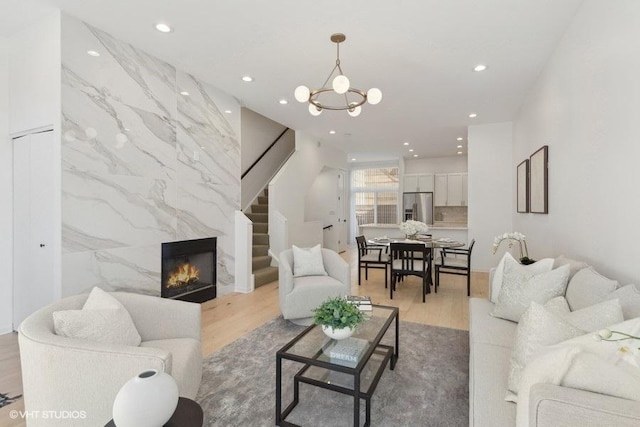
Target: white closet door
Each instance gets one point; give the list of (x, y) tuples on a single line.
[(342, 212), (33, 263)]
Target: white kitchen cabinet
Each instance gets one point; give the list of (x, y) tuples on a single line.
[(450, 189), (441, 184), (418, 183)]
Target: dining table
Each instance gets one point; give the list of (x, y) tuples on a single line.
[(443, 242)]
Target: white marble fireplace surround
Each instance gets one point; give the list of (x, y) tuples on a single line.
[(142, 164)]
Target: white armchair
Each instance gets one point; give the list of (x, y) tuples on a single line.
[(60, 373), (300, 295)]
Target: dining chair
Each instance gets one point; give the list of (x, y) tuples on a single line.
[(371, 256), (455, 261), (410, 259)]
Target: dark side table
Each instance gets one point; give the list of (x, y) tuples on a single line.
[(187, 414)]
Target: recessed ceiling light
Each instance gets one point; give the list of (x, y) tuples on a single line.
[(459, 146), (459, 138), (227, 111), (184, 93), (163, 28), (405, 143), (459, 152), (247, 78), (480, 67), (415, 155), (93, 53), (473, 115), (411, 150), (332, 132), (353, 160), (283, 102)]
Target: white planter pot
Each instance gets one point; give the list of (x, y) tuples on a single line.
[(337, 334), (146, 400)]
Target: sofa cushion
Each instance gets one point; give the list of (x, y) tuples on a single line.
[(541, 327), (520, 288), (186, 364), (486, 329), (102, 319), (588, 287), (538, 267), (629, 297), (488, 369), (308, 261)]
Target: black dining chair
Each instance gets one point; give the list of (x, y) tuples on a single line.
[(455, 261), (410, 259), (371, 256)]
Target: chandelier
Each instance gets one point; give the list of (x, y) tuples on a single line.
[(340, 85)]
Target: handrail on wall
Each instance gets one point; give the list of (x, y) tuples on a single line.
[(264, 153), (327, 227)]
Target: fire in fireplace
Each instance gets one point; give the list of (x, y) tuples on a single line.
[(189, 270)]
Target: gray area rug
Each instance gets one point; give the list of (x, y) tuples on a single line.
[(429, 386)]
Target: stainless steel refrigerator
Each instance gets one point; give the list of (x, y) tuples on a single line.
[(418, 207)]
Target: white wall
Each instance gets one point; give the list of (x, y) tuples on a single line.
[(450, 164), (289, 187), (490, 189), (34, 75), (585, 107), (6, 186), (321, 204), (258, 132)]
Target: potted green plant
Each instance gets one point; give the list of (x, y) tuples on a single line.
[(338, 317)]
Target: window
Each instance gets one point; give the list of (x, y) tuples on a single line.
[(375, 195)]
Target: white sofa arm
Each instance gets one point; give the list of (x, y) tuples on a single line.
[(160, 318), (337, 268), (551, 405)]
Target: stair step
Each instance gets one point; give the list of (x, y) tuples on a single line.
[(258, 217), (262, 200), (260, 250), (260, 239), (258, 262), (266, 192), (261, 228), (260, 208), (265, 275)]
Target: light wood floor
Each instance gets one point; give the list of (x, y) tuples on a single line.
[(231, 316)]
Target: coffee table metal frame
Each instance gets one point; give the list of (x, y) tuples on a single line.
[(388, 353)]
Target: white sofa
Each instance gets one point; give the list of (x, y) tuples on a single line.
[(300, 295), (60, 373), (490, 341)]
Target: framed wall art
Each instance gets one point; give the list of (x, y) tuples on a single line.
[(539, 181), (523, 186)]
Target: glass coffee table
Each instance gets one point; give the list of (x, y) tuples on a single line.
[(325, 366)]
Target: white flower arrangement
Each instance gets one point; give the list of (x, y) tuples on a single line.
[(512, 238), (625, 353), (411, 227)]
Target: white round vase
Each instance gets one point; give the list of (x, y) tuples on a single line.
[(337, 334), (146, 400)]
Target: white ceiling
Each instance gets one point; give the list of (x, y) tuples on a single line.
[(420, 53)]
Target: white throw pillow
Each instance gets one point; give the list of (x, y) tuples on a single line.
[(574, 265), (629, 297), (588, 287), (537, 267), (308, 261), (583, 363), (102, 319), (541, 326), (520, 287)]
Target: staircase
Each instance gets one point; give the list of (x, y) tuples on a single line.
[(261, 261)]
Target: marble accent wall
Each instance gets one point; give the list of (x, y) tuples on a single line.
[(142, 163)]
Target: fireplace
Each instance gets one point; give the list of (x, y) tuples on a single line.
[(189, 270)]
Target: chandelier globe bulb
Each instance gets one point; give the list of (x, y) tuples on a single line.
[(374, 96), (341, 84), (302, 93), (354, 111), (315, 111)]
